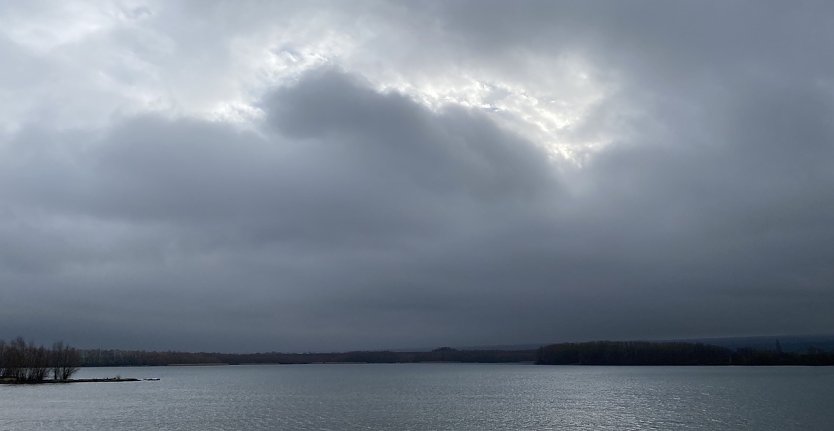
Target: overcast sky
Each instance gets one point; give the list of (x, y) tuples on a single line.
[(292, 176)]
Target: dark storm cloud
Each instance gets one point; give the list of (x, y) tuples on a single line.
[(320, 220), (351, 218)]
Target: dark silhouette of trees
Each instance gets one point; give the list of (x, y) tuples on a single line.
[(591, 353), (36, 362), (22, 362), (104, 358), (675, 353), (65, 361), (633, 353), (14, 360)]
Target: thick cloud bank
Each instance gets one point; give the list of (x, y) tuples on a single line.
[(536, 172)]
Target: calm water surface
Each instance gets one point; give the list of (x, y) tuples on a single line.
[(430, 397)]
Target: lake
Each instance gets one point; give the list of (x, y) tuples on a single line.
[(429, 397)]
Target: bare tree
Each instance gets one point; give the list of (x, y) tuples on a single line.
[(2, 359), (55, 359), (65, 361), (72, 362), (15, 359), (36, 363), (23, 362)]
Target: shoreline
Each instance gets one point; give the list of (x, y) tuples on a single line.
[(58, 382)]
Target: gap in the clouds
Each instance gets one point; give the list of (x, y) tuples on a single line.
[(555, 120), (249, 114)]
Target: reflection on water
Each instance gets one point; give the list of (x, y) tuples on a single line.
[(430, 397)]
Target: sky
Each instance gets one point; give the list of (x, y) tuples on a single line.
[(314, 176)]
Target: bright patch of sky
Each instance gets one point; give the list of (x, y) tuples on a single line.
[(124, 59)]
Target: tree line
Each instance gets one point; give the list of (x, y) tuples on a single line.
[(672, 353), (105, 358), (25, 362), (22, 362)]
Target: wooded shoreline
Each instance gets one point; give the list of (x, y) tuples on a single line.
[(61, 382), (24, 363), (588, 353)]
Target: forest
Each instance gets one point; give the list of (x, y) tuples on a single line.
[(22, 362), (99, 357), (587, 353), (672, 353), (25, 362)]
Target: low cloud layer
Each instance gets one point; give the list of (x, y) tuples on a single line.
[(417, 185)]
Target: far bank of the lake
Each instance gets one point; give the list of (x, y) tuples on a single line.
[(63, 382)]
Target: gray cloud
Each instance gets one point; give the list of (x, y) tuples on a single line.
[(349, 217)]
